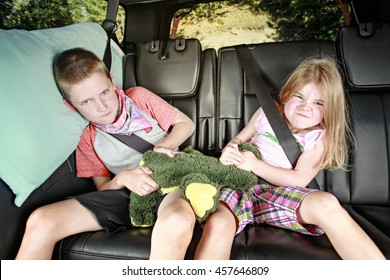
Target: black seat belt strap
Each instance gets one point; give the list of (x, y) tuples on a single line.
[(135, 142), (109, 25), (262, 90)]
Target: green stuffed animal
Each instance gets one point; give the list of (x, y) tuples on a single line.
[(199, 176)]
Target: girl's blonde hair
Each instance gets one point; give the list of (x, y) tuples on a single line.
[(325, 74), (73, 66)]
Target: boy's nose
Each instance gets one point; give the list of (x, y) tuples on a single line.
[(101, 106)]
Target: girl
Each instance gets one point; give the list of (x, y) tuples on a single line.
[(313, 105)]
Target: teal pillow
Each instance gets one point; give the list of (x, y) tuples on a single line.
[(38, 132)]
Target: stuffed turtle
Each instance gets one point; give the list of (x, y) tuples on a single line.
[(200, 177)]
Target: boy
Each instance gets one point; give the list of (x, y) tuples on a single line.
[(88, 88)]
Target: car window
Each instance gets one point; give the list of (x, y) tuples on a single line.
[(236, 22), (32, 15)]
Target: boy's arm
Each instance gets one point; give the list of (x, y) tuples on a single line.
[(182, 128), (168, 117), (138, 179)]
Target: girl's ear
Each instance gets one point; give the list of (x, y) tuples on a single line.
[(69, 105)]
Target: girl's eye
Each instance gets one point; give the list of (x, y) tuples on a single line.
[(298, 96), (318, 103)]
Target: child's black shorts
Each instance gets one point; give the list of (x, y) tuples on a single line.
[(111, 208)]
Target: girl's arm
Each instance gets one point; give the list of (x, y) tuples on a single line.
[(182, 128), (307, 167), (230, 153)]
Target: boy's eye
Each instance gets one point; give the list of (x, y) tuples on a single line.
[(86, 102), (105, 92)]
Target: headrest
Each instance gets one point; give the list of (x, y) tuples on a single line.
[(366, 60), (371, 11), (277, 60), (169, 70)]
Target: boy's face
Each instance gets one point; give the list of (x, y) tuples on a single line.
[(95, 98)]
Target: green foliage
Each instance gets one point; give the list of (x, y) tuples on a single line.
[(38, 14), (292, 19), (5, 10), (302, 19), (94, 10)]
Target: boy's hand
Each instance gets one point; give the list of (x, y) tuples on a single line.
[(137, 180), (163, 150)]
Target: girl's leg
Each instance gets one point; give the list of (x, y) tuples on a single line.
[(174, 227), (218, 234), (51, 223), (346, 236)]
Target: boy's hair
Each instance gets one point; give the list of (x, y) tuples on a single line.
[(325, 74), (73, 66)]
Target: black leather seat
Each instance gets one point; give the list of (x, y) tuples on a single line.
[(215, 94), (364, 191)]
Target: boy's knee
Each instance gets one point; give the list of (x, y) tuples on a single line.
[(184, 220), (181, 221), (40, 220)]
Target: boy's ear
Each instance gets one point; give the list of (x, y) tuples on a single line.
[(112, 79), (67, 103)]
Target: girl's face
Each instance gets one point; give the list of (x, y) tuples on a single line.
[(95, 98), (305, 109)]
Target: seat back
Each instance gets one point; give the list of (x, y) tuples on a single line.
[(183, 75), (366, 64)]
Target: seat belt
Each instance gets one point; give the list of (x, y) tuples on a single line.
[(109, 25), (262, 90), (366, 28), (135, 142)]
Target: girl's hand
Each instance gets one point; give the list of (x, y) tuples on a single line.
[(137, 180), (249, 160), (231, 155)]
